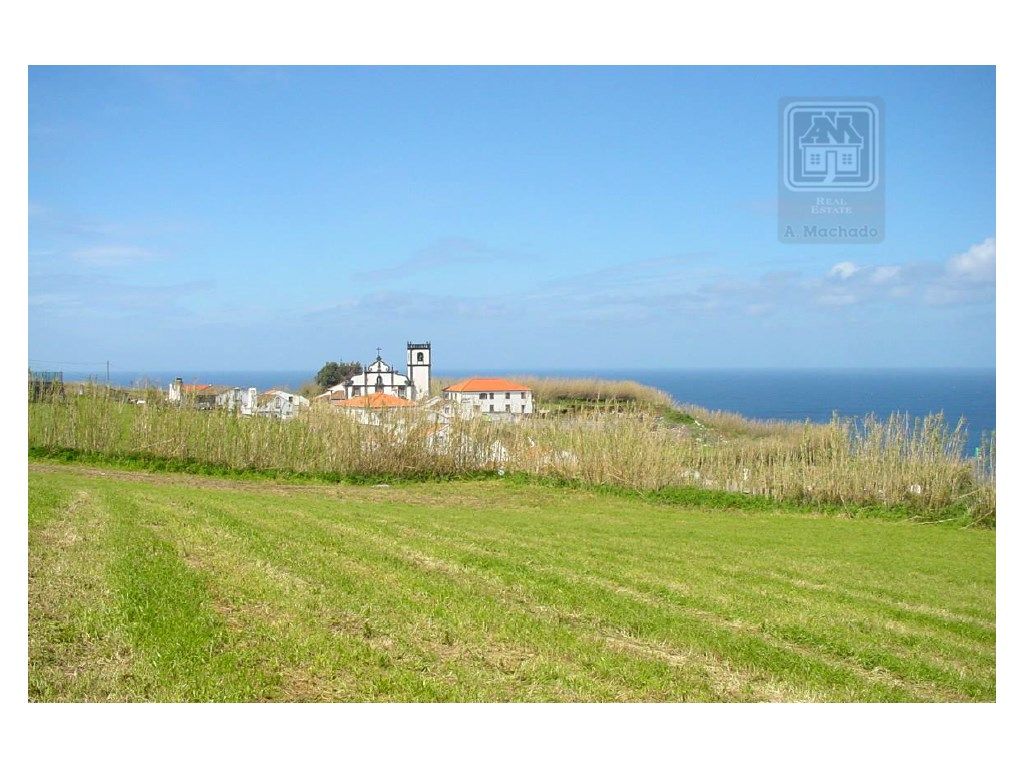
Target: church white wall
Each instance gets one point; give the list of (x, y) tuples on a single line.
[(419, 370), (393, 382), (413, 383)]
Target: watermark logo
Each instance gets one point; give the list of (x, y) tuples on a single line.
[(830, 175), (831, 146)]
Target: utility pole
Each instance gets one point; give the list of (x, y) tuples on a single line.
[(108, 374)]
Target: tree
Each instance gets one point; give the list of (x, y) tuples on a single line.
[(310, 389), (334, 373)]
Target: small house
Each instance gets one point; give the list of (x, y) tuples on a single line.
[(279, 404), (372, 409), (493, 398)]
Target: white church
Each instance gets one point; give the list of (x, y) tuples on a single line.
[(381, 387), (380, 377)]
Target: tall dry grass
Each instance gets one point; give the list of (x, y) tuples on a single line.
[(549, 390), (913, 463), (727, 424)]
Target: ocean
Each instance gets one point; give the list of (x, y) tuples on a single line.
[(793, 394)]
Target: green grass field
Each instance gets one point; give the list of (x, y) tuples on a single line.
[(171, 587)]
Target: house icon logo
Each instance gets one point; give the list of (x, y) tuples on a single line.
[(831, 146)]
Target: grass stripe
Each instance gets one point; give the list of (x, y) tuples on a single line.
[(503, 592), (165, 610)]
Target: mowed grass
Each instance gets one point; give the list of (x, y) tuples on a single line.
[(177, 588)]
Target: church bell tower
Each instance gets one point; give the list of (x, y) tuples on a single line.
[(418, 367)]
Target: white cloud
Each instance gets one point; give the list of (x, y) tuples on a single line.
[(885, 274), (844, 270), (651, 290), (65, 296), (977, 264), (837, 299), (111, 255), (445, 253)]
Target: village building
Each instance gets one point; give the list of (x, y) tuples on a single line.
[(494, 398), (372, 409), (333, 396), (208, 396), (380, 377), (417, 366), (280, 404)]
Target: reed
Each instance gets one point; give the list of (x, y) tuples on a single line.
[(552, 390), (915, 464)]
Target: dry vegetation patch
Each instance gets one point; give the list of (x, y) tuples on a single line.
[(915, 465)]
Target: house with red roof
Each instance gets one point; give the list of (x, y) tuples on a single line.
[(493, 398), (375, 401), (373, 409)]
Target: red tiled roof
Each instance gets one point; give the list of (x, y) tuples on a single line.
[(487, 385), (376, 400)]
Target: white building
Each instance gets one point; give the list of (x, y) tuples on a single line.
[(375, 409), (417, 366), (280, 404), (380, 377), (208, 396), (498, 399)]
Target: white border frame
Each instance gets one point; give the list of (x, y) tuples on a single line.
[(528, 32)]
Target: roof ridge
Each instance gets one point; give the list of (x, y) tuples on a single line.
[(487, 384), (374, 400)]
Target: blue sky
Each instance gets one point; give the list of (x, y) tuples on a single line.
[(271, 219)]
